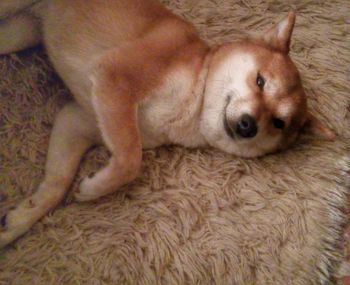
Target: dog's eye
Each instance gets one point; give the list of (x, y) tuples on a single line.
[(260, 81), (278, 123)]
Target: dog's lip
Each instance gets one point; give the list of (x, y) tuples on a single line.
[(230, 132)]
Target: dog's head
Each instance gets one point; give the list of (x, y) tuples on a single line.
[(254, 101)]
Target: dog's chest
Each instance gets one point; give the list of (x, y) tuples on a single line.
[(161, 114)]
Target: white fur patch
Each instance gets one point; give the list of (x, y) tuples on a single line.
[(231, 80), (272, 87), (285, 109), (162, 106), (281, 28), (238, 67)]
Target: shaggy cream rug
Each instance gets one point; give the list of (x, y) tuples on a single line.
[(194, 216)]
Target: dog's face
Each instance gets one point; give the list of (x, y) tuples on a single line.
[(254, 101)]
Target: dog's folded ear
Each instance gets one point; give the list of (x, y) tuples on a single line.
[(279, 36), (315, 126)]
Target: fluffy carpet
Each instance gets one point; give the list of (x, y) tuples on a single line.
[(193, 216)]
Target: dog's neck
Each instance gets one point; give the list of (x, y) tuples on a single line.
[(185, 130)]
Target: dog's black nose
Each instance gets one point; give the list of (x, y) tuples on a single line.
[(246, 127)]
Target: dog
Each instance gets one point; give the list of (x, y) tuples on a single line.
[(141, 77)]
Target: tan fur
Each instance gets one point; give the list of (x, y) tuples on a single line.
[(143, 78)]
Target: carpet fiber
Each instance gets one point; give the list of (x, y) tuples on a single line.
[(193, 216)]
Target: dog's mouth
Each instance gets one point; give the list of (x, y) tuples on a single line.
[(228, 129)]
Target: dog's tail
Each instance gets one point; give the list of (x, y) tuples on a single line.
[(11, 8)]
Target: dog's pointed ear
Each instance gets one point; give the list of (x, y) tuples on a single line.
[(315, 126), (279, 36)]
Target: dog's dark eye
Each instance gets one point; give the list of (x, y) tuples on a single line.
[(278, 123), (260, 81)]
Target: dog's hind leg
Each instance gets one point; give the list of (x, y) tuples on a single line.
[(73, 133), (18, 33)]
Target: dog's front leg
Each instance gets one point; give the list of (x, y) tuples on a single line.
[(116, 111), (121, 79)]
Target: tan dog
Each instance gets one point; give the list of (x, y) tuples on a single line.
[(142, 77)]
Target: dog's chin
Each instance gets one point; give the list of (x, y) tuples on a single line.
[(245, 152), (237, 146), (226, 140), (231, 142)]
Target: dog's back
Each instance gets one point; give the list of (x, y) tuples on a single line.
[(83, 25)]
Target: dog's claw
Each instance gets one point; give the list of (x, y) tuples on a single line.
[(3, 221), (91, 175)]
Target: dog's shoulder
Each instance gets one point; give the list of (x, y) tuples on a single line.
[(161, 71), (148, 63)]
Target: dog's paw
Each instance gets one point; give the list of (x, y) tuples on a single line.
[(88, 190), (18, 221), (10, 228)]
